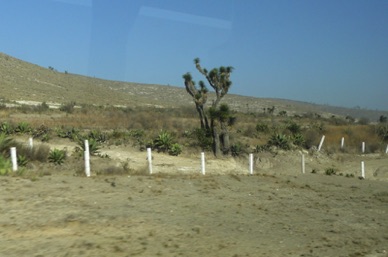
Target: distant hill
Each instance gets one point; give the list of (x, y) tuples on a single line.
[(23, 81)]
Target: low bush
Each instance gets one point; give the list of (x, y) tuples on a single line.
[(330, 171), (280, 140), (5, 165), (175, 149), (57, 156)]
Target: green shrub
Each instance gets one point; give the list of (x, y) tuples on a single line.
[(294, 128), (98, 136), (6, 128), (22, 160), (279, 140), (382, 132), (94, 146), (298, 139), (236, 149), (202, 139), (57, 156), (136, 133), (330, 171), (261, 127), (5, 166), (163, 142), (71, 133), (175, 150), (23, 128)]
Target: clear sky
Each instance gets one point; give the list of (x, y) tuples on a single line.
[(331, 52)]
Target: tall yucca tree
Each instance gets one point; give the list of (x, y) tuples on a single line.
[(219, 80)]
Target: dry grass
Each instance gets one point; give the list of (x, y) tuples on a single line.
[(179, 122), (353, 136)]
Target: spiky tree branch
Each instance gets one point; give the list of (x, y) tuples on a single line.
[(199, 96)]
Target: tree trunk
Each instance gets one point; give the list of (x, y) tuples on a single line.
[(225, 138), (216, 139), (203, 118)]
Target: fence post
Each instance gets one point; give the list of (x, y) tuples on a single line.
[(149, 157), (203, 163), (321, 143), (251, 163), (87, 158), (362, 169), (30, 143), (14, 159)]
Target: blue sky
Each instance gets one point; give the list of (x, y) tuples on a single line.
[(331, 52)]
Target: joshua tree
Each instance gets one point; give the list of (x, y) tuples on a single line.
[(220, 118), (199, 96)]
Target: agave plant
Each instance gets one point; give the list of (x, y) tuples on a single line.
[(6, 128), (279, 140), (163, 142), (57, 156), (94, 146), (23, 127), (22, 160)]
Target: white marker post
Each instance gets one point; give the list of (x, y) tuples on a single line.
[(321, 143), (386, 150), (87, 146), (363, 147), (149, 158), (203, 163), (251, 163), (303, 165), (87, 158), (30, 143), (362, 169), (14, 159), (342, 143)]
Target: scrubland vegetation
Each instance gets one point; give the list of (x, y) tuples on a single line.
[(177, 131)]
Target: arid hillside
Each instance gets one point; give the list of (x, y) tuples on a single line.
[(23, 81)]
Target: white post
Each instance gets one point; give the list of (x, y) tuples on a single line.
[(251, 163), (363, 147), (203, 163), (14, 159), (342, 142), (303, 165), (30, 143), (87, 163), (87, 158), (321, 143), (149, 157), (362, 169), (87, 146), (386, 150)]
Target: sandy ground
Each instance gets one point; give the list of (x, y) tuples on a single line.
[(177, 211)]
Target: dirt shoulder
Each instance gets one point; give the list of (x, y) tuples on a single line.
[(278, 211)]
